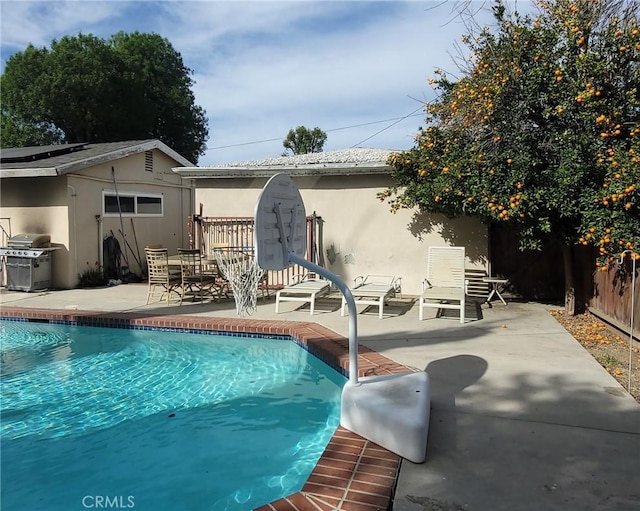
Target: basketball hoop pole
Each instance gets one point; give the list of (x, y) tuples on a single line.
[(279, 221), (390, 410), (353, 313)]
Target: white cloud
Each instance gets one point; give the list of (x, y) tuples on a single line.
[(37, 23), (263, 67), (366, 74)]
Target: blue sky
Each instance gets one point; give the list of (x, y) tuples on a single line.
[(351, 68)]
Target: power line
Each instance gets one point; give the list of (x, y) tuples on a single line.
[(244, 143), (399, 119), (396, 119)]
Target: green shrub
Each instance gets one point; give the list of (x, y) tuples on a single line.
[(92, 276)]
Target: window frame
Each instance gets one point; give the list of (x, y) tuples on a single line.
[(135, 196)]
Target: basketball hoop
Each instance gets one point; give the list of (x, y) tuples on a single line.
[(402, 422), (244, 275)]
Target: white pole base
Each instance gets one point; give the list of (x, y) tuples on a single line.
[(392, 411)]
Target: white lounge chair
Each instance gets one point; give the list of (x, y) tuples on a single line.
[(445, 286), (374, 290), (307, 289)]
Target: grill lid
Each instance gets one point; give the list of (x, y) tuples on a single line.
[(29, 240)]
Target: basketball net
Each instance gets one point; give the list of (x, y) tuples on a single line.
[(243, 274)]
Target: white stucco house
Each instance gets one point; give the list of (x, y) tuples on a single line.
[(72, 192), (360, 236)]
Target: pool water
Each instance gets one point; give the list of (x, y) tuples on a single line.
[(155, 420)]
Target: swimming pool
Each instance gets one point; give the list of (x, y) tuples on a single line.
[(157, 420)]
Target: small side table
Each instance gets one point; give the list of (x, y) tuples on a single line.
[(497, 284)]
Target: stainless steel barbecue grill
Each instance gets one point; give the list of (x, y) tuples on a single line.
[(28, 262)]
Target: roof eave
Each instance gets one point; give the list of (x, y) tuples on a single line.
[(303, 170), (84, 163), (157, 144), (36, 172), (122, 153)]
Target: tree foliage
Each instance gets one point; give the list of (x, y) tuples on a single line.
[(303, 140), (16, 133), (86, 89), (541, 131)]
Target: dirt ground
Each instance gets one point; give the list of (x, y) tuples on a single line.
[(607, 346)]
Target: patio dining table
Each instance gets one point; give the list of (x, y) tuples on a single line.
[(210, 267), (175, 261), (210, 261)]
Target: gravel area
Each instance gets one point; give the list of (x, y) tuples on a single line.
[(607, 346)]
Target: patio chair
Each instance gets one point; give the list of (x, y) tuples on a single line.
[(263, 286), (195, 281), (160, 277), (445, 286), (374, 290), (221, 256), (212, 269), (306, 289)]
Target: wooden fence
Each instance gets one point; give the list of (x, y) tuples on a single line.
[(614, 291)]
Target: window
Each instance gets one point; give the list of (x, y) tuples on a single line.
[(127, 204), (149, 205), (132, 204)]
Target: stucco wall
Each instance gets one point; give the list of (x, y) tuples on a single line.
[(69, 207), (359, 234), (90, 226), (39, 207)]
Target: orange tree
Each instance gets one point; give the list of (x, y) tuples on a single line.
[(542, 130)]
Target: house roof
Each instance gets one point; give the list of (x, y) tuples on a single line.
[(55, 160), (331, 163)]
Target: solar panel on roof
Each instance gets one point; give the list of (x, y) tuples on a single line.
[(33, 153)]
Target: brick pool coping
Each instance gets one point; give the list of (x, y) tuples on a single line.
[(353, 474)]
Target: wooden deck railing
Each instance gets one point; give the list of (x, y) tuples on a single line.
[(236, 233)]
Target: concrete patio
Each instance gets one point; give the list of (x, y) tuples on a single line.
[(523, 418)]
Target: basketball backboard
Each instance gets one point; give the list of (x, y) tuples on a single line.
[(280, 224)]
